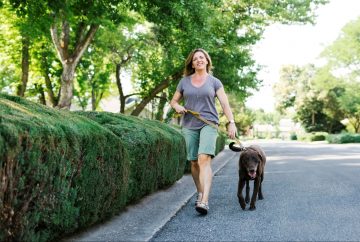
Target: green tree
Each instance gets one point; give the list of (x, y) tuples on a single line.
[(93, 79), (28, 32), (343, 57), (262, 117), (294, 92), (293, 86), (314, 95), (49, 67), (10, 54), (233, 27), (344, 53), (126, 44), (350, 103), (72, 25), (177, 29), (313, 116), (330, 89)]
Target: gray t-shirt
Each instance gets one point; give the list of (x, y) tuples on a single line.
[(199, 99)]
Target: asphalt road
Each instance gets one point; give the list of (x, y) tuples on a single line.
[(311, 193)]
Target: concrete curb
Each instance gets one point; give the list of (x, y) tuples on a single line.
[(141, 221)]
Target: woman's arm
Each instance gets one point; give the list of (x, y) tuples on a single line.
[(174, 103), (224, 102)]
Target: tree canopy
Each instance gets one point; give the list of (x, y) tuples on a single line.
[(326, 97), (154, 38)]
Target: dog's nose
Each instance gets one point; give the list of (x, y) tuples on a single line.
[(252, 171)]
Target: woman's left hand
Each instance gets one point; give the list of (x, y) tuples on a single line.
[(232, 130)]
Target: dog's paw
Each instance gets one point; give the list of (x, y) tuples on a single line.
[(252, 208), (242, 205), (261, 197)]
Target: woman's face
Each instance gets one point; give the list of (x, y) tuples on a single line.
[(199, 61)]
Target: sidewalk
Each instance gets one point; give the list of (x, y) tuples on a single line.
[(141, 221)]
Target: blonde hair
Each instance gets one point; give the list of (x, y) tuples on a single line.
[(189, 70)]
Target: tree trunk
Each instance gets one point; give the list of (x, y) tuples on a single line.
[(159, 88), (49, 87), (93, 94), (125, 58), (24, 66), (356, 123), (70, 59), (66, 93), (120, 89), (41, 92), (160, 112)]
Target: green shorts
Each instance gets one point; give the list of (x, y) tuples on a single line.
[(200, 141)]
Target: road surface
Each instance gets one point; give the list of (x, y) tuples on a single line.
[(311, 193)]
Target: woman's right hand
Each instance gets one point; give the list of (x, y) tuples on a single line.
[(232, 130), (180, 109), (174, 103)]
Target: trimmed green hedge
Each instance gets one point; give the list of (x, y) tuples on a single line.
[(157, 151), (63, 171), (59, 172)]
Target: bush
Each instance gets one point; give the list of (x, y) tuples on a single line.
[(318, 136), (293, 136), (343, 138), (59, 171), (157, 151), (63, 171), (310, 137)]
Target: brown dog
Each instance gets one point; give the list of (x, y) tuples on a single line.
[(251, 167)]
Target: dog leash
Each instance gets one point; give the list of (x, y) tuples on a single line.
[(197, 115)]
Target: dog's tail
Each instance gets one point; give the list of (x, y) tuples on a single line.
[(236, 148)]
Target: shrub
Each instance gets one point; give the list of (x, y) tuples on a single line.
[(318, 136), (293, 136), (156, 150), (59, 171), (343, 138), (310, 137)]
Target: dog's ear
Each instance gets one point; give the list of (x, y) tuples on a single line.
[(234, 148), (261, 157)]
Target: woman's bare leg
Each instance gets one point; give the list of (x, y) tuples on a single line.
[(205, 176), (195, 170)]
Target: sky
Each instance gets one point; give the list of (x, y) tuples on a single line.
[(298, 45)]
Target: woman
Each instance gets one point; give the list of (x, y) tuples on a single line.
[(199, 89)]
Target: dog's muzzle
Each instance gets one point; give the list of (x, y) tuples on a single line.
[(252, 175)]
